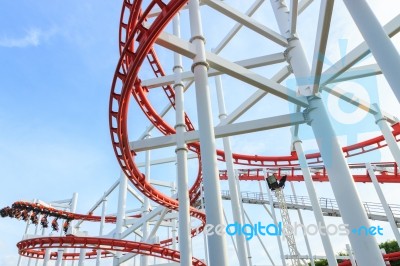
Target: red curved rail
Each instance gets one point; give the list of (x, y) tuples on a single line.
[(387, 257), (34, 248), (293, 173)]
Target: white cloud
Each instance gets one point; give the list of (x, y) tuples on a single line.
[(33, 37)]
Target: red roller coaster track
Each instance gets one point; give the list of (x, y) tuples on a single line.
[(136, 44)]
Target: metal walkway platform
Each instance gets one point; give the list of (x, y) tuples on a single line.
[(329, 206)]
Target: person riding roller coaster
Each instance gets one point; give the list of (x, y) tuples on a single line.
[(274, 183), (44, 222), (66, 226), (54, 224)]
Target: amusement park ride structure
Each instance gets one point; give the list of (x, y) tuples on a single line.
[(145, 27)]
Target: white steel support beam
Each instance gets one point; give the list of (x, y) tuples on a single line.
[(185, 242), (302, 223), (222, 131), (383, 201), (233, 241), (236, 204), (247, 21), (101, 230), (351, 256), (129, 256), (294, 5), (144, 260), (82, 254), (212, 193), (387, 134), (166, 160), (157, 224), (260, 240), (188, 75), (97, 204), (303, 5), (46, 258), (135, 194), (72, 208), (319, 218), (203, 206), (383, 50), (358, 72), (358, 53), (137, 223), (324, 22), (254, 98), (354, 100), (225, 66), (123, 187), (228, 37), (352, 211), (60, 254)]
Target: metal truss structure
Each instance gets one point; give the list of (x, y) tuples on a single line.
[(150, 30)]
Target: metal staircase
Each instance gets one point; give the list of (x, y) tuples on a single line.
[(287, 228)]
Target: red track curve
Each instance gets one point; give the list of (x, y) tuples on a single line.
[(34, 247)]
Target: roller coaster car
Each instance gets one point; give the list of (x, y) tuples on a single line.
[(34, 218), (24, 215), (65, 226), (44, 222), (54, 225), (4, 212), (17, 214)]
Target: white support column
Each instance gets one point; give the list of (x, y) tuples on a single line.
[(351, 255), (46, 252), (205, 237), (302, 223), (379, 43), (72, 208), (25, 232), (233, 241), (184, 230), (46, 258), (123, 187), (248, 250), (144, 260), (36, 231), (212, 192), (60, 254), (271, 203), (237, 207), (319, 218), (260, 240), (82, 254), (384, 203), (351, 209), (365, 247), (102, 222), (381, 121)]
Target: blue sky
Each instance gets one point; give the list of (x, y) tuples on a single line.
[(57, 64)]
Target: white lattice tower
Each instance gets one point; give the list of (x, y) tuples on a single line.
[(287, 228)]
